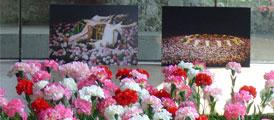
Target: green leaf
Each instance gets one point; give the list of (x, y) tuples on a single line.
[(173, 89), (249, 106)]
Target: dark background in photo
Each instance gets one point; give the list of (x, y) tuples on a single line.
[(206, 20)]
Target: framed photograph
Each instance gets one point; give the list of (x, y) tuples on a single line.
[(214, 35), (94, 34)]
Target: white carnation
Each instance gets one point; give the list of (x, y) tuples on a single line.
[(87, 92), (184, 65), (163, 115), (40, 85), (192, 73), (143, 93), (112, 110), (70, 84), (140, 117), (131, 85)]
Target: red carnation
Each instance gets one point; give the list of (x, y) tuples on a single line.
[(202, 117), (39, 105), (107, 70), (24, 86), (143, 72), (126, 97), (172, 110), (179, 72), (122, 73), (250, 89), (203, 79), (162, 93)]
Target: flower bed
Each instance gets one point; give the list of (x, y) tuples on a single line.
[(88, 93)]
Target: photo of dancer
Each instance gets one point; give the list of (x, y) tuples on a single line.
[(94, 34), (206, 34)]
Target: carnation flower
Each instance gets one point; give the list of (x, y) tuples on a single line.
[(172, 110), (143, 82), (85, 83), (86, 92), (82, 106), (50, 64), (34, 66), (241, 97), (187, 103), (162, 115), (269, 76), (250, 89), (192, 73), (183, 88), (179, 72), (234, 110), (139, 74), (169, 70), (75, 70), (3, 101), (269, 84), (168, 102), (185, 66), (49, 114), (126, 97), (202, 117), (100, 73), (155, 103), (143, 93), (105, 103), (131, 112), (185, 112), (112, 110), (2, 92), (199, 65), (39, 105), (214, 92), (64, 112), (13, 107), (70, 84), (203, 79), (54, 91), (151, 89), (110, 86), (234, 66), (177, 80), (212, 75), (19, 66), (140, 117), (123, 73), (24, 86), (40, 75), (40, 85), (131, 85), (161, 93)]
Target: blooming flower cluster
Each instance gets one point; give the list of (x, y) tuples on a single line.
[(89, 93)]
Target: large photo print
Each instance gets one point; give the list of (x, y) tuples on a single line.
[(95, 34), (207, 34)]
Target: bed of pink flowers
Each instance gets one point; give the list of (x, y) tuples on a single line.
[(88, 93)]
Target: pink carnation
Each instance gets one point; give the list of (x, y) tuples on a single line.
[(106, 103), (2, 92), (214, 92), (106, 93), (187, 103), (212, 75), (185, 112), (13, 107), (183, 88), (151, 89), (155, 103), (142, 82), (40, 75), (67, 93), (138, 75), (242, 97), (168, 102), (177, 80), (200, 65), (85, 83), (75, 70), (50, 64), (110, 86), (63, 111), (130, 112), (49, 114), (269, 76), (19, 66), (3, 101), (234, 66), (99, 73), (34, 66), (54, 91), (82, 106), (269, 83), (126, 80), (169, 70), (234, 110)]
